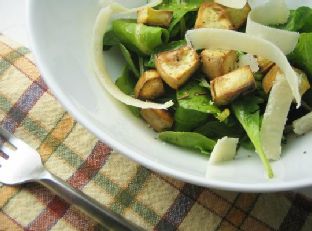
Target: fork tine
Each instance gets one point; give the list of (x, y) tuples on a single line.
[(7, 151), (10, 138)]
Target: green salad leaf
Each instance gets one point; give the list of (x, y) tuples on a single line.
[(301, 56), (188, 140), (126, 54), (180, 10), (186, 120), (126, 83), (192, 96), (110, 39), (247, 111), (138, 37), (216, 130)]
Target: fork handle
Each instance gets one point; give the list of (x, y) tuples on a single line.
[(104, 216)]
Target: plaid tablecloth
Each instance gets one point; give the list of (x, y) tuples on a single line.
[(156, 202)]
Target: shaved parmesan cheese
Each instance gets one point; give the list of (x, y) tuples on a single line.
[(275, 117), (272, 13), (99, 30), (118, 8), (248, 60), (225, 149), (237, 4), (218, 39), (303, 124)]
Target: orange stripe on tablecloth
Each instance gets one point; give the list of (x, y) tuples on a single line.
[(6, 193), (4, 49), (7, 223), (56, 137), (27, 67), (57, 208)]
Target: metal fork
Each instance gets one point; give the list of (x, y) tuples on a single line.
[(23, 164)]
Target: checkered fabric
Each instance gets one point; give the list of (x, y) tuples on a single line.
[(153, 201)]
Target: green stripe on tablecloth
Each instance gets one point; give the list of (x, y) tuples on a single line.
[(14, 55), (34, 128), (5, 105), (68, 155), (125, 198), (4, 65), (148, 214), (105, 183)]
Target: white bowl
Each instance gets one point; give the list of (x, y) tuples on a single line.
[(60, 36)]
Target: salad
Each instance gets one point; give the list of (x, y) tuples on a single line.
[(213, 76)]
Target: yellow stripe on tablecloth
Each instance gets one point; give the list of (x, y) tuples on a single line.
[(8, 224), (6, 193), (24, 207)]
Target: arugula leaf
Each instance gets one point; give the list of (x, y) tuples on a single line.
[(216, 130), (301, 56), (246, 110), (109, 40), (138, 37), (187, 120), (194, 97), (126, 54), (180, 9), (126, 84), (299, 20), (190, 140)]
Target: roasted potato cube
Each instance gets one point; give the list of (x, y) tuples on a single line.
[(270, 77), (264, 64), (213, 15), (238, 17), (176, 66), (152, 17), (158, 119), (149, 86), (218, 62), (226, 88)]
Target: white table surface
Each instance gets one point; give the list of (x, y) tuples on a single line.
[(13, 20), (13, 25)]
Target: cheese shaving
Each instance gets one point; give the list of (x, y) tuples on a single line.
[(249, 60), (275, 117), (224, 150), (237, 4), (303, 124), (272, 13), (99, 30), (218, 39)]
